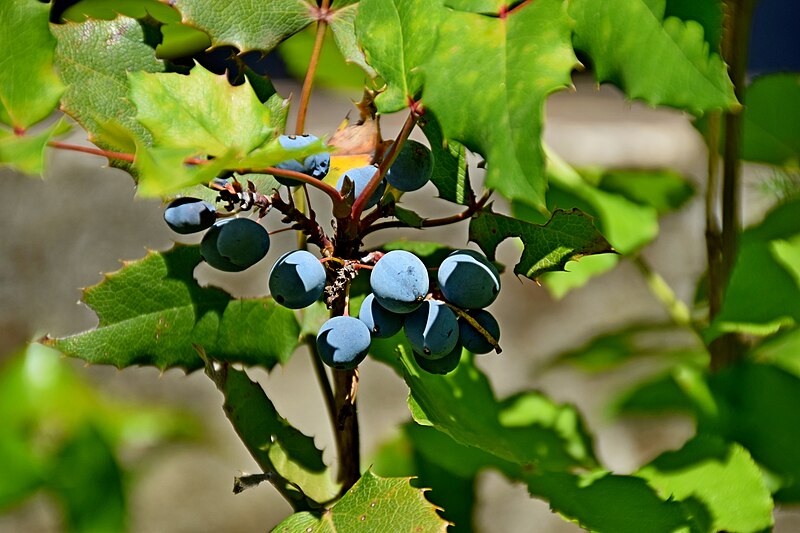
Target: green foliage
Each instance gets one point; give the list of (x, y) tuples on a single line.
[(152, 312), (60, 435), (764, 290), (718, 476), (26, 153), (623, 37), (29, 86), (373, 504), (771, 115), (450, 175), (567, 235), (246, 24)]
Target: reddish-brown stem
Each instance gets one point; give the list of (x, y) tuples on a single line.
[(89, 150), (374, 182), (432, 222), (308, 82), (273, 232)]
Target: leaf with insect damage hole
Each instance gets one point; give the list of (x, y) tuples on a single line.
[(152, 311), (566, 236), (247, 24), (372, 504)]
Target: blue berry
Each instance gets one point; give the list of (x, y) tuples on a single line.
[(343, 342), (399, 281), (234, 244), (297, 279), (471, 337), (316, 165), (443, 365), (468, 280), (360, 177), (189, 215), (381, 322), (412, 168), (432, 330)]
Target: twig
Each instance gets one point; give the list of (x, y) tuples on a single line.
[(308, 82)]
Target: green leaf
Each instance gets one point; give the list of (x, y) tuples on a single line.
[(663, 190), (26, 153), (23, 471), (463, 405), (663, 61), (342, 25), (593, 500), (567, 235), (275, 444), (719, 475), (201, 111), (763, 294), (781, 350), (29, 85), (89, 483), (488, 7), (246, 24), (708, 14), (372, 504), (771, 115), (152, 311), (397, 37), (450, 175), (611, 350), (103, 9), (94, 59), (495, 108), (760, 409), (576, 274)]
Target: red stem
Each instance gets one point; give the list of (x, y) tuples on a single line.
[(374, 182), (308, 82)]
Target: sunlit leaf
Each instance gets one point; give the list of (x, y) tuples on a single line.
[(152, 311), (372, 504), (29, 85), (663, 61), (26, 153)]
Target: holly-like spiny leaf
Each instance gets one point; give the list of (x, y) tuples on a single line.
[(663, 61), (247, 24), (450, 175), (26, 153), (275, 444), (29, 85), (94, 59), (567, 235), (372, 504), (495, 106), (397, 37), (152, 312), (342, 25)]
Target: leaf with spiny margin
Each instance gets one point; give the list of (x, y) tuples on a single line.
[(763, 293), (201, 111), (152, 311), (137, 9), (333, 69), (26, 153), (495, 107), (276, 445), (663, 61), (94, 59), (247, 24), (398, 36), (372, 504), (708, 13), (462, 404), (450, 174), (567, 235), (719, 476), (29, 85), (342, 25)]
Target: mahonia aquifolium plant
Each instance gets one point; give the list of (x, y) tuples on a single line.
[(439, 316)]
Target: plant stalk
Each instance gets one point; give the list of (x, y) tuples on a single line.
[(308, 82), (723, 246)]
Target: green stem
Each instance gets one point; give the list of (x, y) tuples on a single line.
[(678, 311), (308, 82)]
